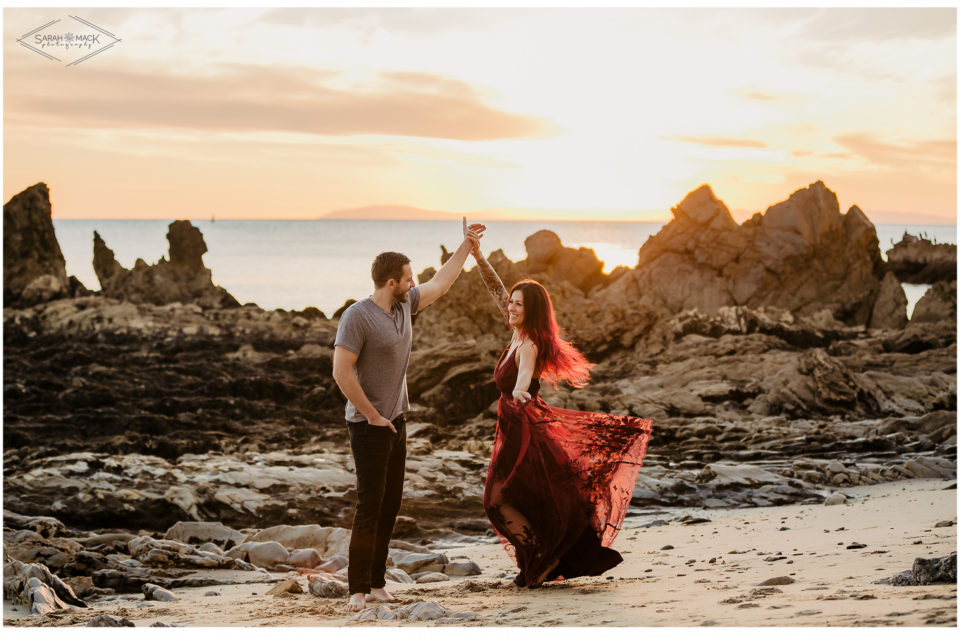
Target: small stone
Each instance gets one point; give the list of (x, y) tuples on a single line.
[(835, 499), (397, 576), (431, 577), (783, 528), (286, 587), (461, 568), (426, 611), (778, 580), (855, 546), (157, 593), (667, 547), (326, 588), (944, 524), (212, 593)]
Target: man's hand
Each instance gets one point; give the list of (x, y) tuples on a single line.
[(382, 421)]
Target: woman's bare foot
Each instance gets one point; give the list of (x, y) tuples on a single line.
[(508, 585), (379, 594), (355, 604)]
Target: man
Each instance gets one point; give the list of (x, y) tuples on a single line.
[(370, 359)]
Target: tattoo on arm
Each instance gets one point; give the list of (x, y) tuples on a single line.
[(495, 286)]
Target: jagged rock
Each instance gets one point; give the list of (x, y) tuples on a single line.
[(44, 526), (113, 540), (801, 255), (30, 547), (181, 279), (926, 572), (939, 303), (890, 309), (938, 570), (918, 260), (33, 584), (546, 254), (108, 620), (34, 269)]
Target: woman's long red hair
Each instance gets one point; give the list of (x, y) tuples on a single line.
[(557, 359)]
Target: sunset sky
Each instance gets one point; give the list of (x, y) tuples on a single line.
[(522, 113)]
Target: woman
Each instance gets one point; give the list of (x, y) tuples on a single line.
[(559, 481)]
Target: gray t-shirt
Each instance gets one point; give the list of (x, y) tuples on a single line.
[(382, 342)]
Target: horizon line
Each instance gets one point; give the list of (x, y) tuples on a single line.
[(380, 220)]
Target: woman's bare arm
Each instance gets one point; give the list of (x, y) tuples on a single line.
[(527, 352), (493, 283)]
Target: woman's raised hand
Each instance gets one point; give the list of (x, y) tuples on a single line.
[(473, 233), (521, 396)]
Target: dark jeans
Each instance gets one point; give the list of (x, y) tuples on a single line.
[(380, 458)]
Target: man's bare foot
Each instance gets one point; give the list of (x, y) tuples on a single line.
[(356, 602), (379, 594)]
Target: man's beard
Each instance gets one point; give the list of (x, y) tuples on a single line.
[(400, 297)]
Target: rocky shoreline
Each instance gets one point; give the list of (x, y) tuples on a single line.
[(775, 358)]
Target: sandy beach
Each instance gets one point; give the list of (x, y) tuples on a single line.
[(711, 576)]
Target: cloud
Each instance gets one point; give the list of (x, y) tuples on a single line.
[(847, 25), (936, 151), (723, 142), (760, 97), (244, 98), (412, 20)]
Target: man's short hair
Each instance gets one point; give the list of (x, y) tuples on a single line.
[(386, 266)]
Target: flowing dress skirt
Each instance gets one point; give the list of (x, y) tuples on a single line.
[(559, 483)]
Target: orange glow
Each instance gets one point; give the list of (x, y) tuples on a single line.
[(595, 114)]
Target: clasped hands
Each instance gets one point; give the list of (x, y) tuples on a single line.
[(473, 233)]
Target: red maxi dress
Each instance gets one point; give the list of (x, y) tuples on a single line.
[(559, 482)]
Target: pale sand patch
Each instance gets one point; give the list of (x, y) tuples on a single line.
[(832, 584)]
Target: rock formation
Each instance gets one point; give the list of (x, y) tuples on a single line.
[(34, 270), (801, 255), (181, 279), (918, 260), (890, 309), (939, 303)]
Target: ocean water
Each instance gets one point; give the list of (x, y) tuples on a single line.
[(321, 263)]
